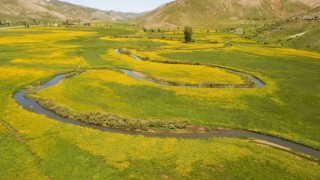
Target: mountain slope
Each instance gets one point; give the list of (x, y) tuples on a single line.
[(204, 12), (301, 32), (54, 9)]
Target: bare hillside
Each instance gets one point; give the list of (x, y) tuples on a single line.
[(199, 13), (54, 9)]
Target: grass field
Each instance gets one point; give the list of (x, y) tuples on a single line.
[(42, 148)]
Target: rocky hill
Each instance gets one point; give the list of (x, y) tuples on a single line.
[(204, 12), (54, 9)]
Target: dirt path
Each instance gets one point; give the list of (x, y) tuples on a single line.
[(14, 27), (11, 130), (15, 133), (297, 35)]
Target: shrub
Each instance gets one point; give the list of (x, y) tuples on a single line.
[(124, 51), (51, 105), (30, 88), (106, 119), (75, 73), (115, 121), (145, 58)]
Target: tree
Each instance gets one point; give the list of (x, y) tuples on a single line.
[(67, 23), (188, 34), (144, 29)]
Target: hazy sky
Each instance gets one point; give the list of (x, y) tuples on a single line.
[(121, 5)]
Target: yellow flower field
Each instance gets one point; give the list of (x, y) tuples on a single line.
[(278, 52), (188, 74), (20, 76), (51, 149), (46, 35)]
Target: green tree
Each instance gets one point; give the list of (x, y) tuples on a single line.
[(188, 34), (67, 23), (144, 29)]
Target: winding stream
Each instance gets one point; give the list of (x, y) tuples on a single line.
[(257, 82), (33, 106)]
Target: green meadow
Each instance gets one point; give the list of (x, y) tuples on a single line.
[(34, 146)]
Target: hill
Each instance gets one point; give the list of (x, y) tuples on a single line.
[(296, 32), (205, 12), (54, 9)]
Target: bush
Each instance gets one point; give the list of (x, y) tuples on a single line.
[(51, 105), (145, 58), (30, 88), (247, 81), (125, 51), (75, 73), (115, 121), (110, 120)]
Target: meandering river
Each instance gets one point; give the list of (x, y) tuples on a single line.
[(33, 106)]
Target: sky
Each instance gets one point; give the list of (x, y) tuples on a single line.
[(121, 5)]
